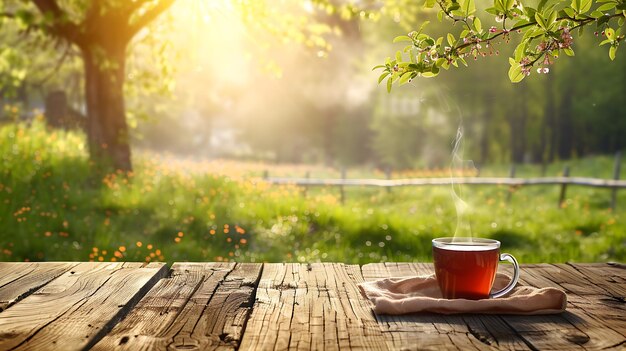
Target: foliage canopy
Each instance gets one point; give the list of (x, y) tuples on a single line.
[(545, 31)]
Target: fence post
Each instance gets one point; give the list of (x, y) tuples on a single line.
[(307, 176), (511, 188), (342, 192), (616, 171), (563, 186), (388, 176)]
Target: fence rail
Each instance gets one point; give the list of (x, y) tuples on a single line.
[(510, 181), (593, 182)]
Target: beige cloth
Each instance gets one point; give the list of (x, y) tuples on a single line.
[(422, 294)]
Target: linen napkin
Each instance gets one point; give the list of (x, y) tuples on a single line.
[(421, 294)]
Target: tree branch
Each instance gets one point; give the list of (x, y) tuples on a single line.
[(148, 16), (55, 69), (61, 26)]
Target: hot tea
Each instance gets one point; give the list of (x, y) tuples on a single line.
[(466, 267)]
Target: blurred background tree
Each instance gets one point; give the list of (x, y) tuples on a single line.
[(293, 83)]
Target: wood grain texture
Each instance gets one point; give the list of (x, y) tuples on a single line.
[(202, 306), (228, 306), (427, 331), (592, 321), (77, 308), (20, 279), (310, 307)]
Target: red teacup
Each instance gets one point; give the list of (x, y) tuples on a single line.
[(466, 267)]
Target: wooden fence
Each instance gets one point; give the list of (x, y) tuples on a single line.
[(510, 181)]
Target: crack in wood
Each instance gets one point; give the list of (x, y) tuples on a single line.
[(318, 306), (616, 345), (4, 305), (125, 309), (475, 333), (77, 305)]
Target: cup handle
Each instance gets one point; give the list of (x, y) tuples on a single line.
[(509, 258)]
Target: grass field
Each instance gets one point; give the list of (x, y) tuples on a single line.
[(177, 210)]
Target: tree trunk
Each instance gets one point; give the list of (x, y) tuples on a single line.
[(107, 131)]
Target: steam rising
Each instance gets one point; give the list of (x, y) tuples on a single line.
[(457, 168)]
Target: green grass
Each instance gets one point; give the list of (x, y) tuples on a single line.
[(51, 208)]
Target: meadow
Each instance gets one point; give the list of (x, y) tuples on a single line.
[(52, 208)]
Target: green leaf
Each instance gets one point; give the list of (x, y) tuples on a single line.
[(602, 20), (398, 56), (478, 25), (405, 78), (605, 41), (540, 21), (606, 7), (389, 85), (542, 3), (401, 38), (499, 6), (585, 5), (520, 23), (450, 39), (378, 66), (569, 12), (529, 11), (612, 51), (596, 14), (468, 7), (382, 76), (551, 19), (610, 33), (568, 51), (576, 5), (429, 4), (413, 54), (515, 73), (423, 26), (492, 10), (520, 51)]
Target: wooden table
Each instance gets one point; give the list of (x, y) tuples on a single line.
[(249, 306)]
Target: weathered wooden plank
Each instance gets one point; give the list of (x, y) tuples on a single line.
[(593, 182), (76, 309), (316, 306), (609, 277), (433, 331), (19, 279), (201, 306), (216, 321), (574, 329)]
